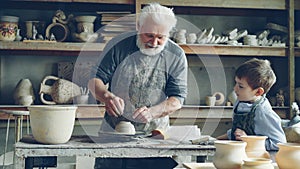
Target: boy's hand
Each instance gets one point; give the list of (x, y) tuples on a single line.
[(238, 133)]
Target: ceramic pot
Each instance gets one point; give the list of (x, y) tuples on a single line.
[(256, 146), (85, 29), (23, 93), (8, 28), (288, 155), (125, 127), (210, 100), (62, 91), (257, 163), (52, 124), (229, 154)]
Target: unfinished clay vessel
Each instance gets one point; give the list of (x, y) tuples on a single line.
[(62, 91), (229, 154), (256, 146), (125, 127)]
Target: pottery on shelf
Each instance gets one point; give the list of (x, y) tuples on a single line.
[(85, 29), (52, 124), (8, 28), (23, 93), (232, 97), (257, 163), (256, 146), (125, 127), (62, 91), (210, 100), (229, 154), (288, 155)]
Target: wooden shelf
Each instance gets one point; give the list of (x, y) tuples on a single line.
[(75, 48), (234, 50)]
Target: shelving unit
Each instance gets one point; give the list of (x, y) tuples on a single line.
[(210, 7)]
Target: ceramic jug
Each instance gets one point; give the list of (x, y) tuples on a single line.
[(288, 155), (229, 154), (62, 91), (256, 146)]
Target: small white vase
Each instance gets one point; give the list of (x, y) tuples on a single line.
[(229, 154), (288, 155)]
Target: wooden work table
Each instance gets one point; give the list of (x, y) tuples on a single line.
[(113, 146)]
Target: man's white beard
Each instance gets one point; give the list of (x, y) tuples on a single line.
[(149, 51)]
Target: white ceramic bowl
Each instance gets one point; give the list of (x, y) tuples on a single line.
[(52, 124)]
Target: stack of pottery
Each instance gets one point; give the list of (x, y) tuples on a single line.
[(8, 28)]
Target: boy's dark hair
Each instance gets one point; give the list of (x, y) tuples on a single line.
[(258, 73)]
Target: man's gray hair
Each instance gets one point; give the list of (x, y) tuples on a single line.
[(159, 14)]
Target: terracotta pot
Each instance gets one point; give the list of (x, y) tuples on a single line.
[(125, 127), (256, 146), (288, 156), (62, 91), (229, 154), (52, 124), (257, 163)]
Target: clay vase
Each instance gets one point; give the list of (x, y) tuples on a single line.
[(62, 91), (23, 93), (52, 124), (229, 154), (288, 155), (256, 146), (257, 163), (125, 127)]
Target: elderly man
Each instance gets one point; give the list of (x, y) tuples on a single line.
[(146, 73)]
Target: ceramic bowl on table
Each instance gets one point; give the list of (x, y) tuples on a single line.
[(52, 124)]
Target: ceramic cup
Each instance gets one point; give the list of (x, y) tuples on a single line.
[(210, 100)]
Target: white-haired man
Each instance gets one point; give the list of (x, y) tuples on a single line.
[(146, 73)]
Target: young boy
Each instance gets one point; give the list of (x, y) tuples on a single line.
[(253, 114)]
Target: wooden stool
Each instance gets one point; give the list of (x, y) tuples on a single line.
[(18, 114)]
